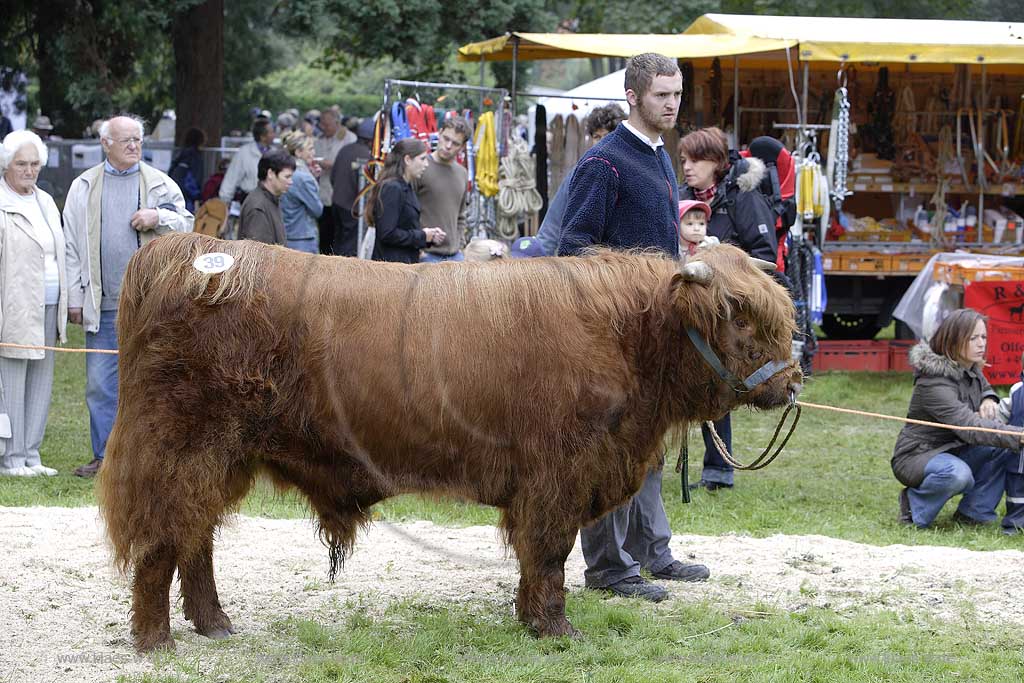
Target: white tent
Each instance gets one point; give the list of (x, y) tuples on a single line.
[(583, 98)]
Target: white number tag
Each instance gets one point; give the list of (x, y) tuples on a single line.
[(215, 262)]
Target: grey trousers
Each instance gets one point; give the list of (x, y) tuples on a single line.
[(635, 535), (27, 388)]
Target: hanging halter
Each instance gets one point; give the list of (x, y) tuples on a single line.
[(760, 376)]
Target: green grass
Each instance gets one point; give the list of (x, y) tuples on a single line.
[(412, 642), (833, 478)]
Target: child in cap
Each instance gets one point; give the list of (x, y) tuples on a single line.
[(693, 225)]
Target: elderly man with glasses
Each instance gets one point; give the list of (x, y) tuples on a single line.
[(111, 211)]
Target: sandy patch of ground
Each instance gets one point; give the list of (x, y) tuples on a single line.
[(63, 609)]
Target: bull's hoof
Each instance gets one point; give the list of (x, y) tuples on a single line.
[(219, 628), (160, 642), (217, 633), (557, 629)]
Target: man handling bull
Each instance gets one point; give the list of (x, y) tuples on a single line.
[(111, 211), (623, 195)]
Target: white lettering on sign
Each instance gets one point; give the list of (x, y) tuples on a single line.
[(215, 262)]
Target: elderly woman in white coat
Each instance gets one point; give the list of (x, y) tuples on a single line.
[(33, 303)]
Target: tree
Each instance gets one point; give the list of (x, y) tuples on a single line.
[(198, 38), (420, 34), (92, 58)]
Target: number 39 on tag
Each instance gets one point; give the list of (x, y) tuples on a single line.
[(216, 262)]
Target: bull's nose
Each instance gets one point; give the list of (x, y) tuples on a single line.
[(794, 390)]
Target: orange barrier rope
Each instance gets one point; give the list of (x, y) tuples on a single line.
[(112, 352), (804, 404), (909, 420)]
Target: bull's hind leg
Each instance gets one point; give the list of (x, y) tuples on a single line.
[(542, 548), (200, 601), (151, 585)]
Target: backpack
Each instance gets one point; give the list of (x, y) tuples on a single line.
[(778, 187), (210, 217), (779, 184)]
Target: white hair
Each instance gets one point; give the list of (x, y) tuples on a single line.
[(18, 139), (105, 126)]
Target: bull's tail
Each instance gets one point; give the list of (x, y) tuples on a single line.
[(145, 501)]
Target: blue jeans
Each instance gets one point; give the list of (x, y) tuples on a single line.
[(715, 468), (1014, 518), (427, 257), (978, 472), (101, 382), (310, 245)]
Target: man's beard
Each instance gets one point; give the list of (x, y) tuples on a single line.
[(654, 120)]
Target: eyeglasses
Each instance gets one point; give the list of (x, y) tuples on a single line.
[(137, 142)]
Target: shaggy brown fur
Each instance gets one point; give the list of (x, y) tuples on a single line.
[(541, 386)]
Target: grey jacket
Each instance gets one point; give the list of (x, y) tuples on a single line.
[(946, 392), (82, 231)]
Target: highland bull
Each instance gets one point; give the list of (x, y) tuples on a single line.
[(543, 387)]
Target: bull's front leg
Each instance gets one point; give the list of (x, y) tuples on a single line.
[(541, 548), (199, 592)]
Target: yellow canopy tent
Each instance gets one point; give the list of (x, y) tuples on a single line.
[(529, 46), (840, 39)]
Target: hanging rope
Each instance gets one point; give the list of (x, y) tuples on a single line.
[(518, 194), (903, 118), (486, 144)]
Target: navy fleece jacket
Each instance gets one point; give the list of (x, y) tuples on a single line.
[(622, 195)]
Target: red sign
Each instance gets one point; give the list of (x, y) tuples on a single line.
[(1003, 304)]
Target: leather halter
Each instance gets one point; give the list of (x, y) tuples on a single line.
[(759, 376)]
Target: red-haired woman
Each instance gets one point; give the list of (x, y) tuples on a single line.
[(740, 215)]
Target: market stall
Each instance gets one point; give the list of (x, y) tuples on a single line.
[(932, 128)]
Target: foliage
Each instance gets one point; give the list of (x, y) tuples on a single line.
[(422, 34), (92, 58)]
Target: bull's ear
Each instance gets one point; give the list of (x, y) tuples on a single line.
[(696, 271), (766, 266)]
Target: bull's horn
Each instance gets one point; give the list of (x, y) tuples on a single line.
[(697, 271), (766, 266)]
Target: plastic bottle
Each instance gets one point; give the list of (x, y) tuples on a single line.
[(921, 219)]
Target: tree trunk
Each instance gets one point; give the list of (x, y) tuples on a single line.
[(198, 36)]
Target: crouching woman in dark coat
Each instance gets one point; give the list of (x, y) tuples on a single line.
[(936, 463), (740, 215)]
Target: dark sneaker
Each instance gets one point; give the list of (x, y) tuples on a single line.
[(677, 571), (709, 485), (89, 470), (905, 517), (637, 587), (963, 519)]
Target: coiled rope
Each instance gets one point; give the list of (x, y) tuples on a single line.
[(518, 193)]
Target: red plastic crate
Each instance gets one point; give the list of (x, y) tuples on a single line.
[(859, 355), (898, 350)]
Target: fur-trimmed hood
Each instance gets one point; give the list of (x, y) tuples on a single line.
[(927, 362), (746, 173)]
